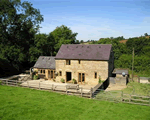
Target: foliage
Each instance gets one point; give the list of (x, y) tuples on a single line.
[(62, 80), (70, 107), (61, 35), (54, 80), (36, 77), (19, 22), (0, 82)]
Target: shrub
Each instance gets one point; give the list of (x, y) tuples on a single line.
[(36, 77), (100, 81), (62, 80), (74, 81)]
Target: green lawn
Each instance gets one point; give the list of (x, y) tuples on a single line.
[(18, 103)]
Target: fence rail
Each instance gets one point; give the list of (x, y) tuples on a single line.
[(123, 97), (65, 89)]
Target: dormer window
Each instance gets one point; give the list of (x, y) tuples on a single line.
[(79, 61), (67, 62)]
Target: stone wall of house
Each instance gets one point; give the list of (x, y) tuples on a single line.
[(46, 72), (85, 66), (118, 80)]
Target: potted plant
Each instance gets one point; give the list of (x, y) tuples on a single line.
[(36, 77), (62, 80), (74, 81)]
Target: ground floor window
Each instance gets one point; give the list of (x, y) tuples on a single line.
[(81, 77), (51, 74), (95, 75)]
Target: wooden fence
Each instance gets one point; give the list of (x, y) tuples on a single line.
[(69, 89), (136, 99), (122, 97)]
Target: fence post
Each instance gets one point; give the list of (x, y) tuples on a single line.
[(16, 83), (130, 98), (81, 92), (121, 96), (52, 87), (6, 82), (28, 83), (39, 85), (91, 93), (66, 90)]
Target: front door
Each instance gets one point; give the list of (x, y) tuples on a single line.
[(68, 76)]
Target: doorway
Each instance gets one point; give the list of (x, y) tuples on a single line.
[(68, 76), (51, 74), (81, 78)]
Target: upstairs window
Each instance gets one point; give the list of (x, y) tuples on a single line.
[(67, 62), (95, 75), (79, 61)]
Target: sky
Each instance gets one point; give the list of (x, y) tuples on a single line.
[(95, 19)]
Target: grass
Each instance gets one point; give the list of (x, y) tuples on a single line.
[(137, 88), (27, 104), (132, 88)]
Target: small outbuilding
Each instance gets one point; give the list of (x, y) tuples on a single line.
[(45, 66), (120, 77)]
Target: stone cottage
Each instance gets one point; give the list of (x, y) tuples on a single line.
[(45, 65), (84, 63)]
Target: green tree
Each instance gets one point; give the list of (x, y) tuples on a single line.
[(19, 22), (81, 41), (146, 34), (61, 35)]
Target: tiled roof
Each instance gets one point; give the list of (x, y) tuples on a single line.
[(45, 62), (87, 52), (120, 71)]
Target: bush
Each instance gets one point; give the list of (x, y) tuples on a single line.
[(100, 81), (148, 79), (74, 81), (62, 80), (54, 80), (36, 77)]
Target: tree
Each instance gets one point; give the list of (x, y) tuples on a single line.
[(146, 34), (77, 42), (19, 22), (61, 35), (81, 41)]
